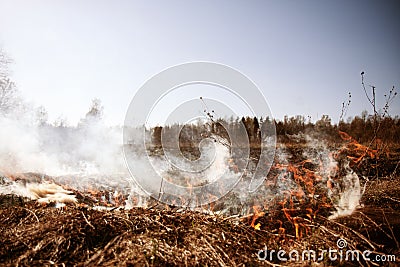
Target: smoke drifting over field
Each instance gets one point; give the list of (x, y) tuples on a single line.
[(28, 146), (90, 156), (83, 157)]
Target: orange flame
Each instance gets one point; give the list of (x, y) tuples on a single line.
[(359, 151), (257, 214)]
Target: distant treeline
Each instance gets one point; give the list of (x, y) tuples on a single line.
[(363, 128)]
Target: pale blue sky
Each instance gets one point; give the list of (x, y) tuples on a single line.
[(304, 55)]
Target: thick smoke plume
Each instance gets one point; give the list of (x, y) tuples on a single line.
[(85, 156), (29, 145)]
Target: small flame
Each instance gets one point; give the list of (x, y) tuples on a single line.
[(257, 214)]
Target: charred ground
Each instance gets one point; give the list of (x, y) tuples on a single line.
[(36, 235)]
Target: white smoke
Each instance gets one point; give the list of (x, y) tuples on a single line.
[(349, 196), (346, 190), (181, 175), (90, 155), (59, 150), (336, 180), (86, 156)]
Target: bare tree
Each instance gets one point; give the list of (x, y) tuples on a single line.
[(8, 91), (4, 61), (96, 109), (95, 113), (41, 116)]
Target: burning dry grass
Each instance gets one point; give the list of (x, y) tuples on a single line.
[(295, 217), (36, 235)]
